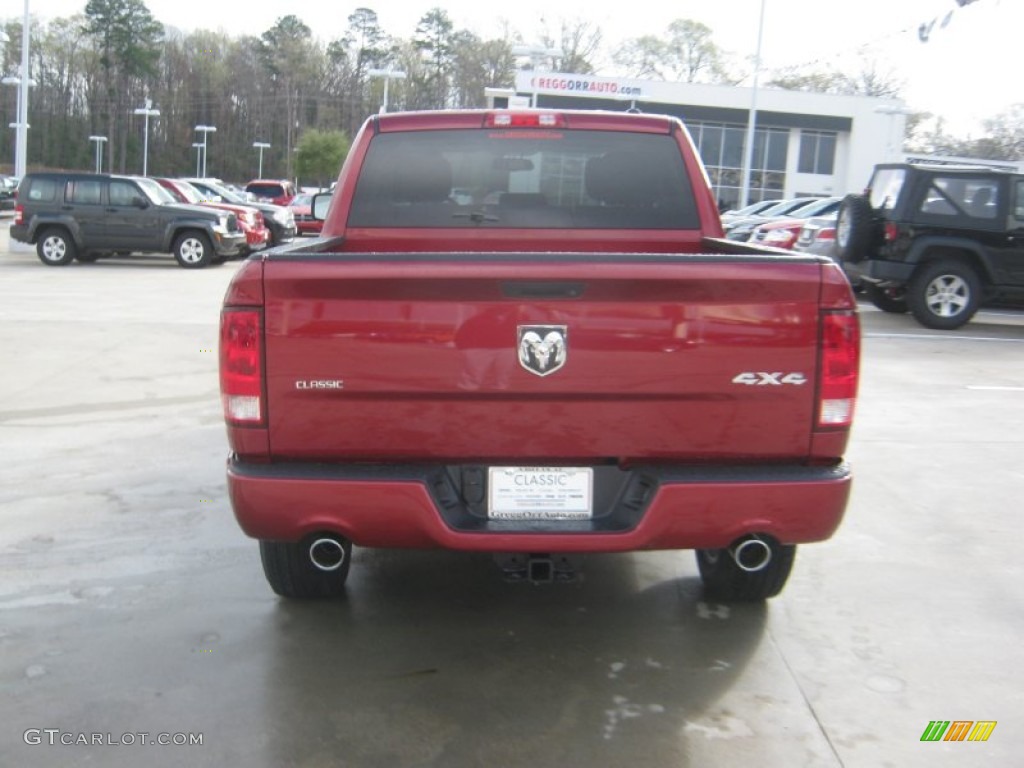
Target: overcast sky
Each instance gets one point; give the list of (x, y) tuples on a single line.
[(967, 70)]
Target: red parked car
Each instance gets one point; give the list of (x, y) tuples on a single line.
[(301, 206), (250, 220)]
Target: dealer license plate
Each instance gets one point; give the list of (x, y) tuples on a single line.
[(540, 493)]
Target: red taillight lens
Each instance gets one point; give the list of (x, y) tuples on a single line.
[(826, 234), (19, 214), (241, 366), (523, 120), (891, 231), (840, 368)]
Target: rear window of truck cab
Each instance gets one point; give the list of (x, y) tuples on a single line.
[(529, 179)]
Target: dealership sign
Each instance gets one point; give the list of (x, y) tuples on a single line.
[(578, 85)]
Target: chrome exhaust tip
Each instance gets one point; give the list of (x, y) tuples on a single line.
[(327, 554), (751, 553)]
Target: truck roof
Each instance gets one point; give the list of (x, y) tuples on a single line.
[(540, 118)]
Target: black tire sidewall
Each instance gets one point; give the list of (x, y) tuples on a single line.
[(883, 301), (926, 275), (290, 573), (856, 214), (724, 580), (69, 247), (208, 253)]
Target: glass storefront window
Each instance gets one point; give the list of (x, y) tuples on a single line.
[(817, 152), (721, 148)]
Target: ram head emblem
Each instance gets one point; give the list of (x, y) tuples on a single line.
[(542, 348)]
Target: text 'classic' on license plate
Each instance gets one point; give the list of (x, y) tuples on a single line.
[(540, 493)]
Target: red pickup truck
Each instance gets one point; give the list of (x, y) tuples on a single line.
[(522, 333)]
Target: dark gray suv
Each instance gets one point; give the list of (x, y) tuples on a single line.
[(85, 216)]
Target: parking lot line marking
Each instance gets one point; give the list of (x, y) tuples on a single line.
[(942, 337)]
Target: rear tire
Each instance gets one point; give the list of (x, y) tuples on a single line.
[(55, 247), (893, 300), (193, 250), (725, 581), (944, 295), (291, 574), (854, 224)]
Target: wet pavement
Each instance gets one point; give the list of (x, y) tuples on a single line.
[(131, 604)]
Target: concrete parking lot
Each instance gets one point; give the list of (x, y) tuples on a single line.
[(130, 603)]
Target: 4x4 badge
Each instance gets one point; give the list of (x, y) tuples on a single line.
[(542, 348)]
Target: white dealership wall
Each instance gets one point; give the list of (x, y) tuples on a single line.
[(868, 130)]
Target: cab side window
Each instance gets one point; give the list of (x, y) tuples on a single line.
[(122, 193), (83, 192)]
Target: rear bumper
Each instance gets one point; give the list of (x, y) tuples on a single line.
[(279, 233), (878, 271), (256, 239), (408, 506)]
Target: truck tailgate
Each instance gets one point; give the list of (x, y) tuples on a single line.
[(631, 358)]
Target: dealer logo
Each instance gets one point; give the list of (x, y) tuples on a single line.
[(542, 348)]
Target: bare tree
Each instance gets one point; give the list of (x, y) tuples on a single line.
[(688, 54), (870, 80), (579, 41)]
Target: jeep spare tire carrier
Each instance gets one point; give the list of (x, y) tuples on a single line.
[(853, 228)]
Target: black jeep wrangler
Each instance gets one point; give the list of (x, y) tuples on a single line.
[(939, 241), (85, 216)]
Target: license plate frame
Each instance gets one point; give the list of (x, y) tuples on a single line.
[(540, 493)]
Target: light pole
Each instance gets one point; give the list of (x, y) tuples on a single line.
[(19, 126), (205, 130), (748, 149), (149, 112), (388, 75), (199, 156), (260, 145), (100, 141)]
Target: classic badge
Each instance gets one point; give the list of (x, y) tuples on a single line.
[(542, 348)]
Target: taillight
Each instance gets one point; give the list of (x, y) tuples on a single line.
[(523, 120), (19, 214), (891, 231), (840, 366), (826, 234), (241, 366)]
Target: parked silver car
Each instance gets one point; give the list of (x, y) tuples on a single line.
[(731, 217), (783, 231), (818, 235), (740, 229)]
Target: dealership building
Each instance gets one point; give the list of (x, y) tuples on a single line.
[(805, 144)]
